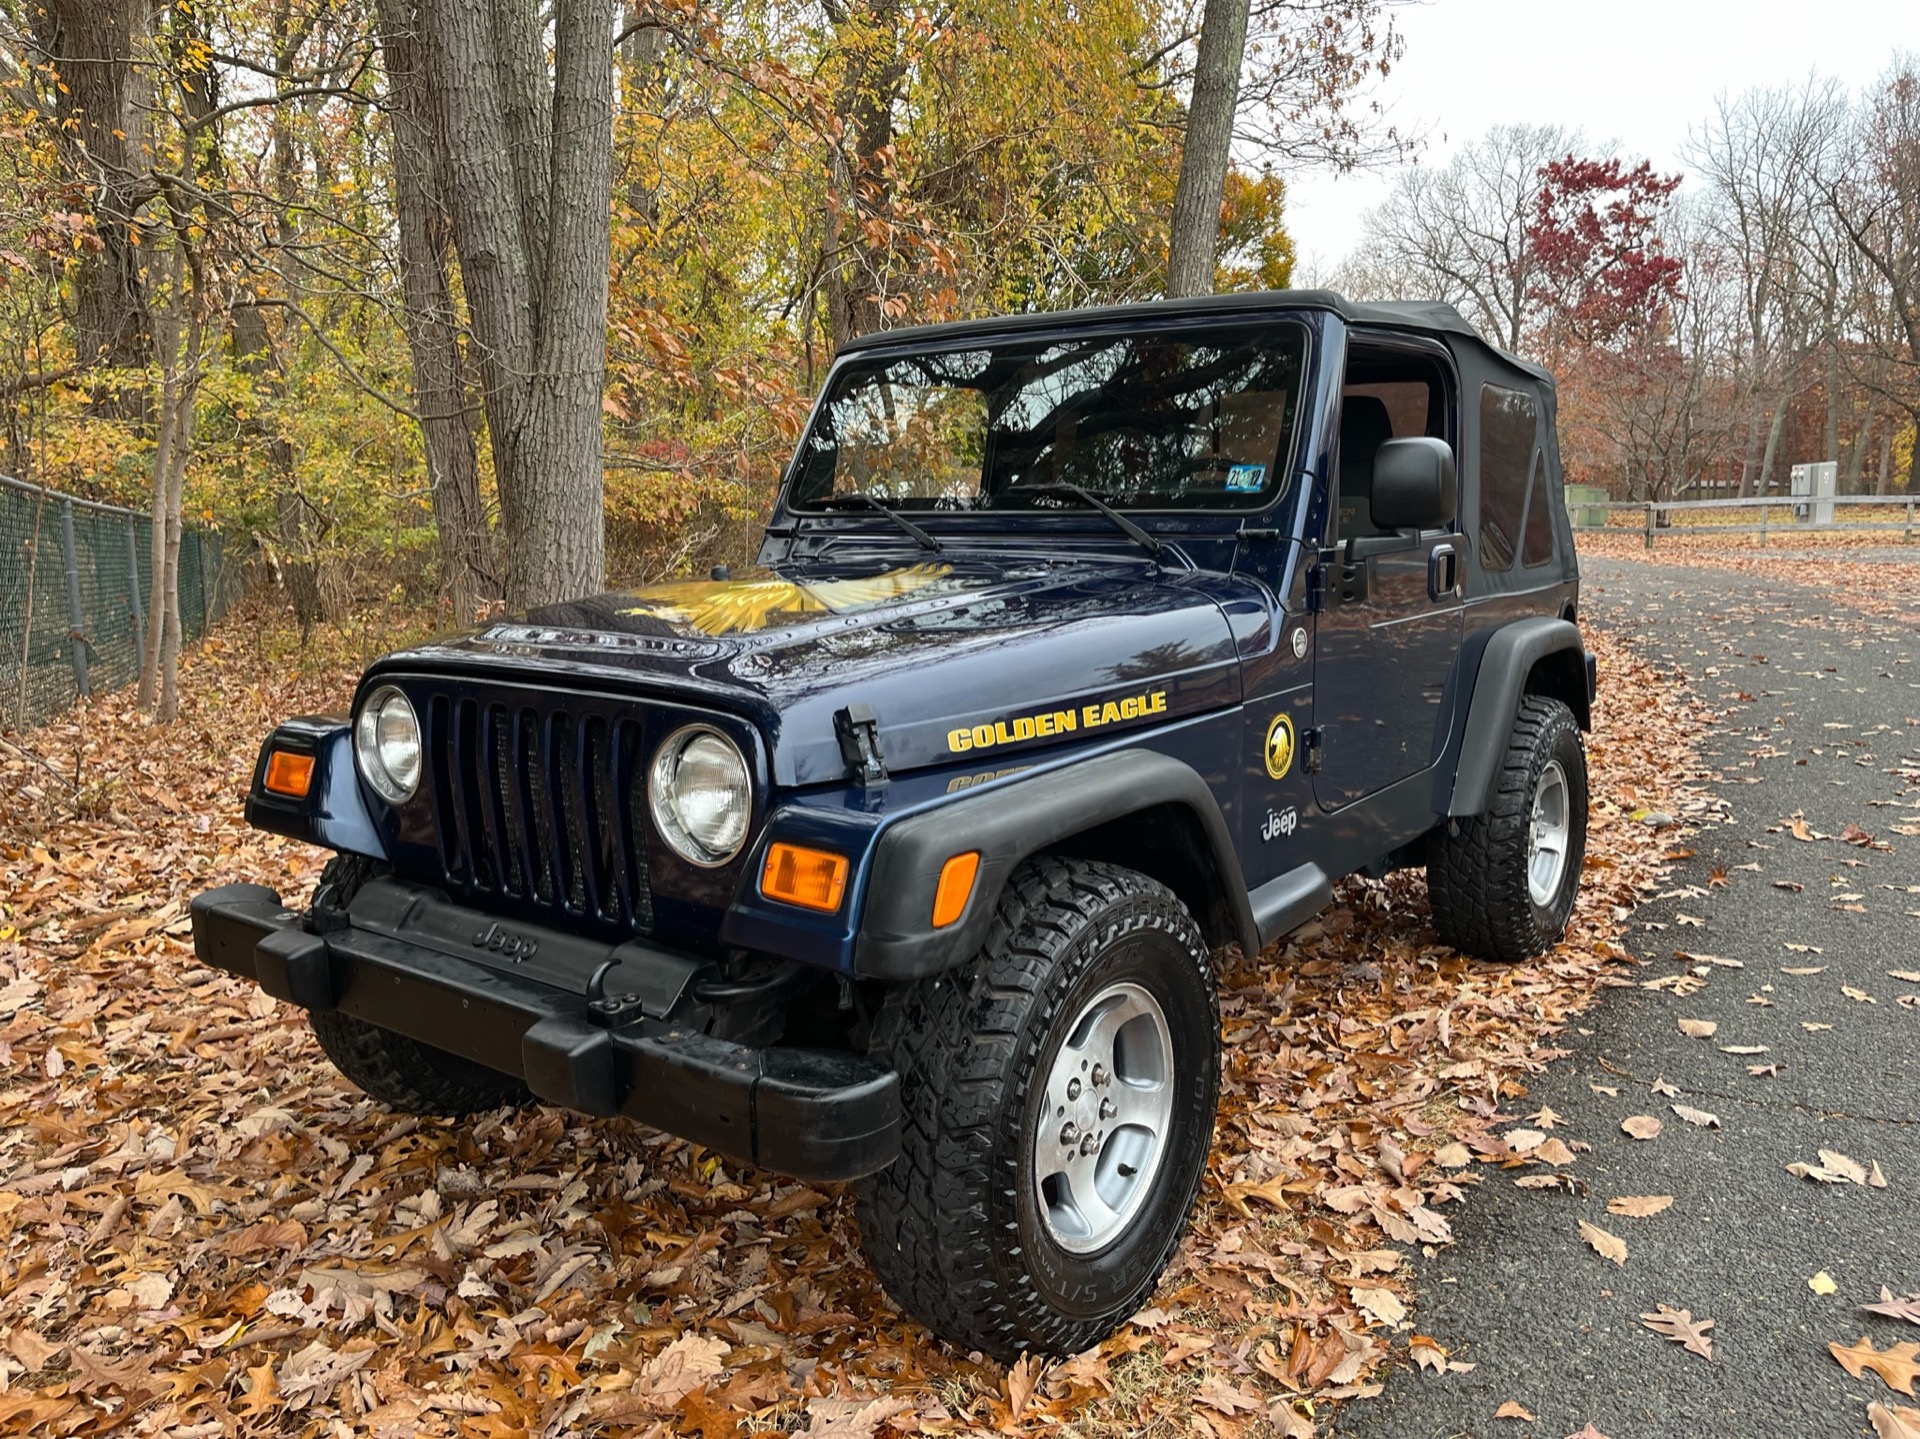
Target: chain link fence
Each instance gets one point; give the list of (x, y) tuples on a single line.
[(76, 580)]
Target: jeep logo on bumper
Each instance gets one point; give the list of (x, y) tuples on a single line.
[(506, 943)]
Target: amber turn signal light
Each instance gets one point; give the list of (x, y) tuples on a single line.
[(289, 774), (810, 878), (956, 884)]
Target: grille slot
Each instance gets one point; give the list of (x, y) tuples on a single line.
[(537, 807)]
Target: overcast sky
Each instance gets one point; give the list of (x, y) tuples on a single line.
[(1636, 71)]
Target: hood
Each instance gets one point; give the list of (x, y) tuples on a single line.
[(962, 660)]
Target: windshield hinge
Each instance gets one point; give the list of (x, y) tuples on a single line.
[(1316, 589), (858, 730)]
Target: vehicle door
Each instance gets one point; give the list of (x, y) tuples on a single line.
[(1386, 638)]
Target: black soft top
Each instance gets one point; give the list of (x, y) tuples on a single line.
[(1429, 317)]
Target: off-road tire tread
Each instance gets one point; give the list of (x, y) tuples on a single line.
[(1477, 879), (400, 1072), (956, 1041)]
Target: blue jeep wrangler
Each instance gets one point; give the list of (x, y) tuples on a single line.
[(1086, 645)]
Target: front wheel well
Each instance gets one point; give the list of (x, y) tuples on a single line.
[(1562, 675), (1166, 842)]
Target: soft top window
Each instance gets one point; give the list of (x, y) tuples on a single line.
[(1186, 417), (1509, 436)]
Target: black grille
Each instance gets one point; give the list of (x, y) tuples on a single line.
[(540, 808)]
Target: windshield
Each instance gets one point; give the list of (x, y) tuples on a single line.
[(1187, 418)]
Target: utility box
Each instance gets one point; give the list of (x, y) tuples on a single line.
[(1587, 506), (1815, 484)]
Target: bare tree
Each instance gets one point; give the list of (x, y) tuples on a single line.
[(527, 181), (1876, 200), (1460, 233), (1762, 156)]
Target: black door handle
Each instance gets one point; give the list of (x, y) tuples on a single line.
[(1443, 572)]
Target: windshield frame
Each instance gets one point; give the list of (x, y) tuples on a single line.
[(1288, 465)]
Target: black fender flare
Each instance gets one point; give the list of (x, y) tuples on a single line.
[(1493, 682), (1007, 824)]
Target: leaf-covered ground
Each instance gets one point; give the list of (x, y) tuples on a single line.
[(204, 1231), (1869, 570)]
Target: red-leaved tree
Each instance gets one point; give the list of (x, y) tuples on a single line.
[(1603, 271)]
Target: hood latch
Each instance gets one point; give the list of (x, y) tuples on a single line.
[(858, 730)]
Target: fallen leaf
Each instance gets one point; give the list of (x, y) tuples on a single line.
[(1803, 948), (1383, 1305), (1875, 1179), (1640, 1206), (1851, 1170), (1427, 1353), (1587, 1431), (1607, 1246), (1907, 1308), (1813, 1027), (1642, 1126), (1911, 976), (1858, 996), (852, 1418), (1522, 1141), (1803, 969), (1800, 1169), (1682, 1328), (1555, 1152), (1698, 1028), (1743, 1049), (1513, 1409), (683, 1366), (1696, 1116), (1900, 1422), (1894, 1365), (1822, 1283)]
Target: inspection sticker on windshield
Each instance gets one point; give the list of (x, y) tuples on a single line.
[(1246, 477)]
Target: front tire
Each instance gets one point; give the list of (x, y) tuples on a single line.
[(1058, 1095), (1503, 887)]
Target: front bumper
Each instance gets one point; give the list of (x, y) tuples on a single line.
[(588, 1027)]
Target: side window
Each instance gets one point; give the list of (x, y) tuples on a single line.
[(1538, 548), (1509, 423), (1390, 393)]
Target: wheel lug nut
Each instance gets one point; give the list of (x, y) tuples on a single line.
[(1087, 1144), (1073, 1089), (1099, 1075), (1069, 1133), (1107, 1111)]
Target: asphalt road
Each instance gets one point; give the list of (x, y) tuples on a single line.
[(1823, 723)]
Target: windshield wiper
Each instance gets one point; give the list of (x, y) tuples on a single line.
[(1133, 532), (858, 499)]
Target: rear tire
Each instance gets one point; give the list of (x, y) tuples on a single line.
[(1503, 887), (400, 1072), (1058, 1096)]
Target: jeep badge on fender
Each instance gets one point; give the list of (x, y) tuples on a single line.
[(1082, 647)]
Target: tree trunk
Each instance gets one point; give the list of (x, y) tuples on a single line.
[(1773, 447), (1884, 484), (564, 504), (90, 45), (1194, 238), (539, 332), (432, 326), (178, 334)]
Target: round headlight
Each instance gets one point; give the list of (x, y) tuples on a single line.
[(386, 742), (700, 795)]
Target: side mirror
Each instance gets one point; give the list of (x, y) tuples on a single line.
[(1413, 484)]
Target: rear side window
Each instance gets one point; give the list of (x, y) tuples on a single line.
[(1509, 423), (1538, 548)]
